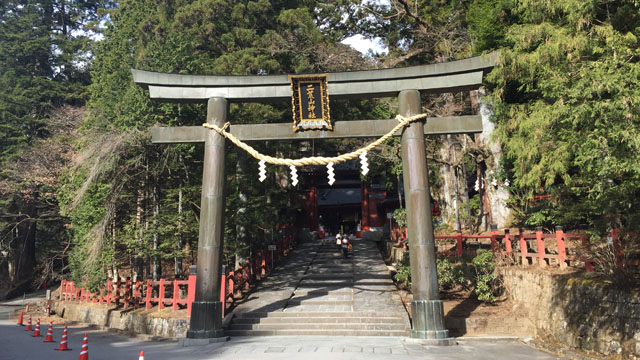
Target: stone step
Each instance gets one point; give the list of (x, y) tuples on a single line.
[(331, 262), (317, 283), (320, 320), (331, 276), (295, 302), (307, 326), (345, 270), (322, 314), (328, 291), (316, 332)]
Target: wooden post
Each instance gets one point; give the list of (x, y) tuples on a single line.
[(562, 251), (246, 274), (524, 253), (223, 292), (191, 288), (540, 246), (137, 293), (507, 241), (495, 247), (231, 279), (206, 321), (426, 307), (459, 244)]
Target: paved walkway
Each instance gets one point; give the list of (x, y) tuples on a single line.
[(318, 292)]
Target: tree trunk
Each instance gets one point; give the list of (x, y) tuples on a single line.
[(23, 249), (241, 226), (496, 195)]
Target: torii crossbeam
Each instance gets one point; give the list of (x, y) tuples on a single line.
[(405, 83)]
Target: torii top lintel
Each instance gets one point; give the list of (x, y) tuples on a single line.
[(452, 76)]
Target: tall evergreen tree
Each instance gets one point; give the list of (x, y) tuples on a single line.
[(566, 101)]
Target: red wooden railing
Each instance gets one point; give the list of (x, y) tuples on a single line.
[(536, 247), (234, 284)]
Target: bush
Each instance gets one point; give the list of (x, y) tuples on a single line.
[(485, 279), (403, 274), (449, 274)]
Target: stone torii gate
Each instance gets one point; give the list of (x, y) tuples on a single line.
[(405, 83)]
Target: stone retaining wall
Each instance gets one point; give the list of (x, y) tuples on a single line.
[(131, 322), (578, 313)]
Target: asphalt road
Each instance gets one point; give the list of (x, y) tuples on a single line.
[(16, 343)]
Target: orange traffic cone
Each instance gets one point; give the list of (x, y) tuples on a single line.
[(84, 352), (20, 319), (29, 327), (141, 355), (63, 341), (49, 337), (37, 332)]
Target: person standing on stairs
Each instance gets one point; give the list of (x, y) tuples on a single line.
[(345, 246), (339, 241)]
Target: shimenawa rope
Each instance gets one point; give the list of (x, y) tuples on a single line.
[(314, 160)]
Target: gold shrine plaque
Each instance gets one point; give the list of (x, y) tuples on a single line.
[(310, 102)]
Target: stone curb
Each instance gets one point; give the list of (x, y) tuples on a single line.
[(463, 339), (559, 351)]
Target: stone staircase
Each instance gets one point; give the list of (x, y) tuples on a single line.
[(332, 296)]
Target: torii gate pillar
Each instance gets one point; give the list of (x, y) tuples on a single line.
[(206, 311), (426, 307)]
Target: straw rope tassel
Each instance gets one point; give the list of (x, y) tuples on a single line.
[(314, 160)]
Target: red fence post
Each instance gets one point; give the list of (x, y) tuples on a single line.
[(562, 250), (161, 295), (223, 292), (191, 288), (523, 248), (459, 244), (136, 294), (232, 279), (62, 284), (540, 246), (246, 275), (176, 291), (507, 241), (494, 239), (263, 264)]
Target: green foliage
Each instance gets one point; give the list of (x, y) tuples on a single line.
[(450, 275), (566, 102), (400, 217), (485, 278)]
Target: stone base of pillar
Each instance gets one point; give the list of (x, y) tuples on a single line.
[(206, 320), (432, 342), (428, 320), (186, 342)]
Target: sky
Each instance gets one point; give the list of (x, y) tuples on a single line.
[(363, 45)]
